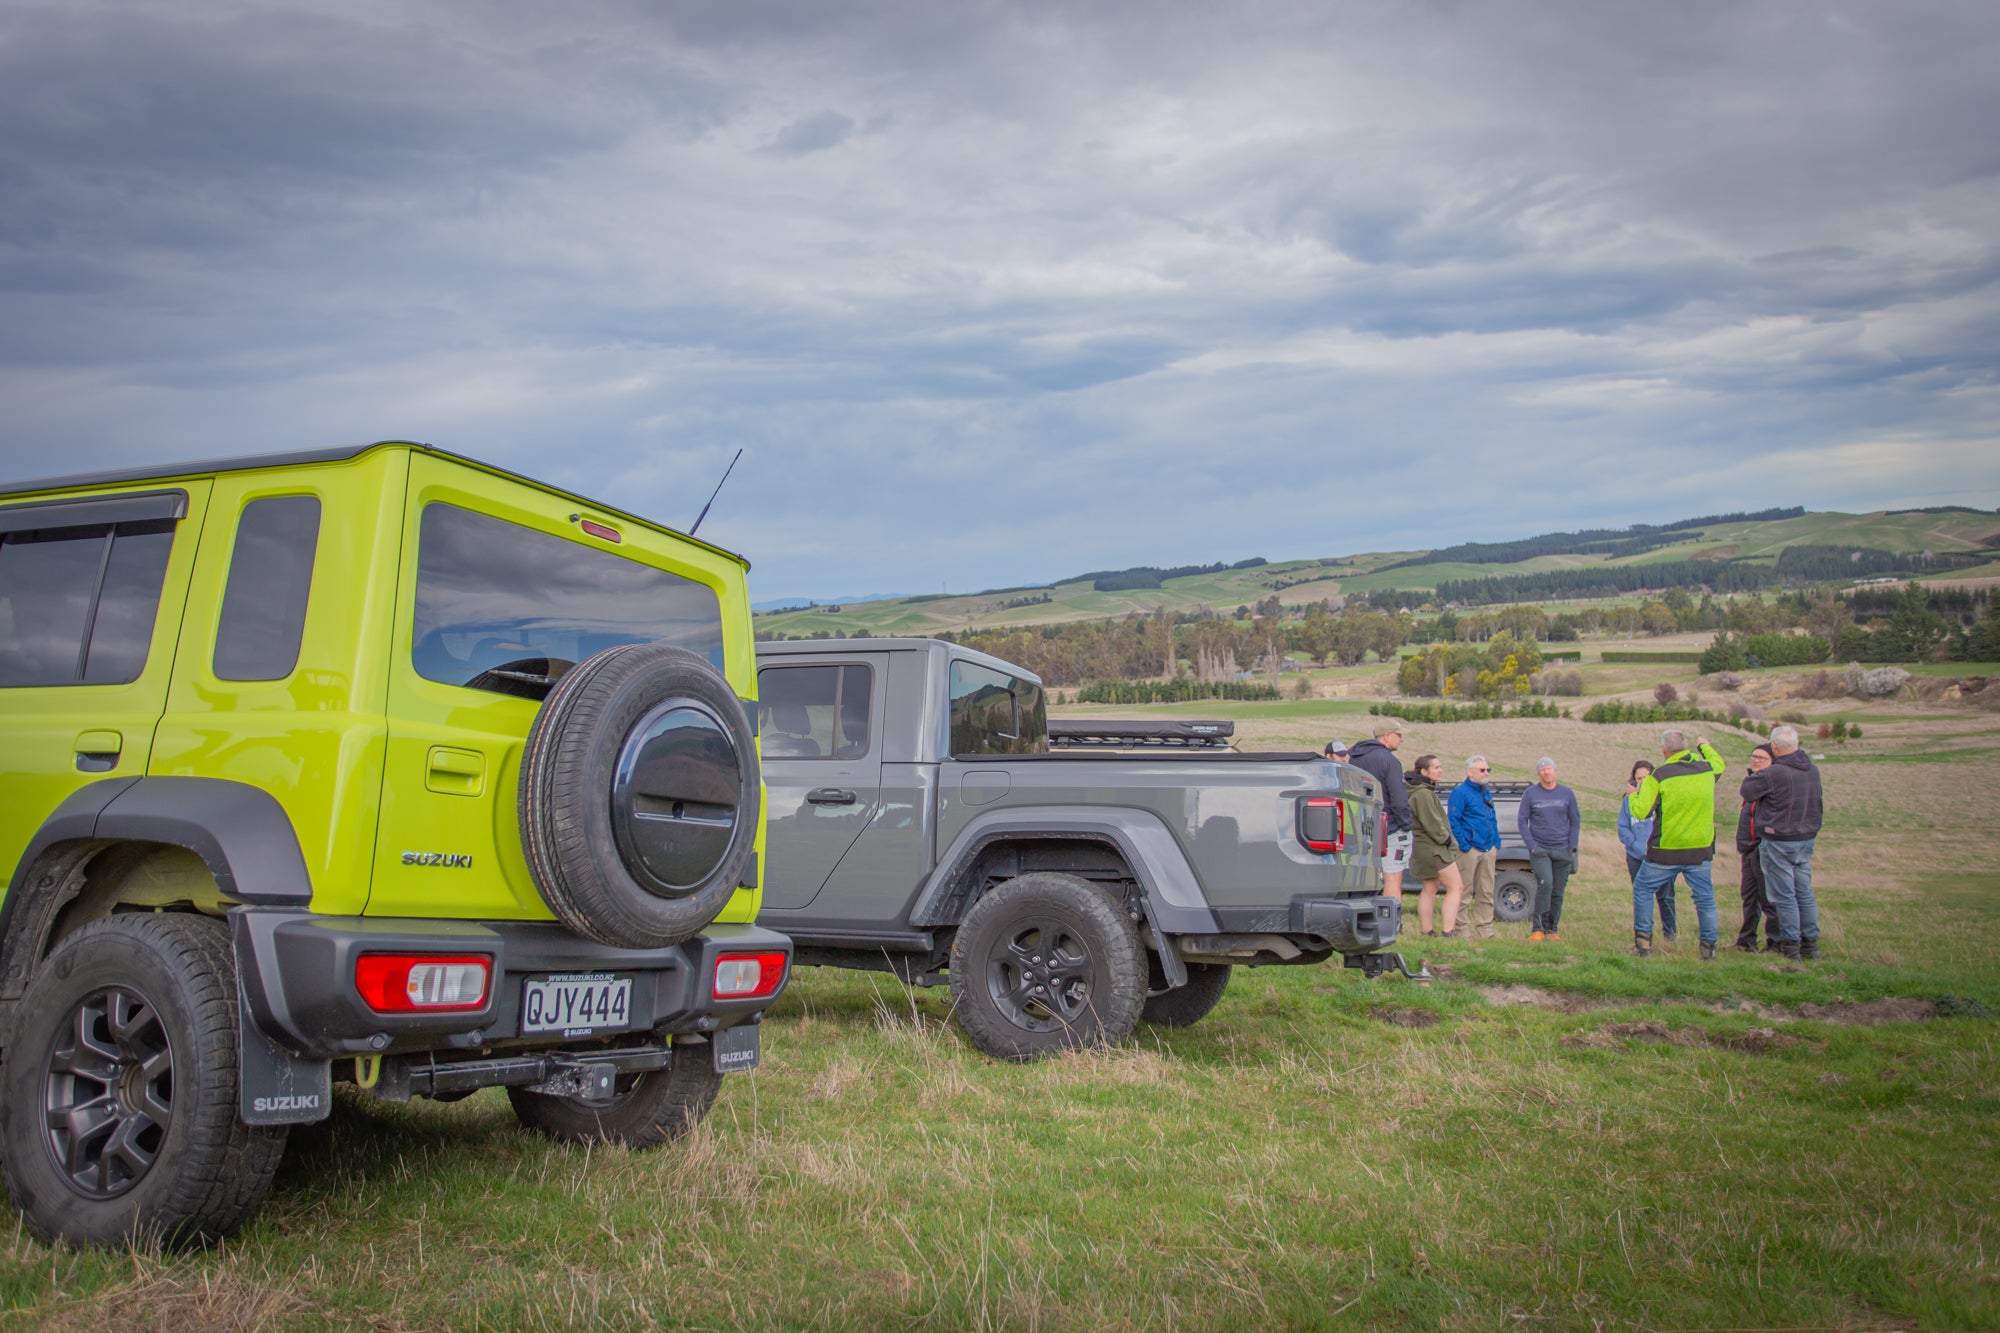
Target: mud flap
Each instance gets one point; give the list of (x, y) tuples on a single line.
[(736, 1048), (273, 1086)]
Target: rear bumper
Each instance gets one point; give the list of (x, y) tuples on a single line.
[(296, 971), (1349, 925)]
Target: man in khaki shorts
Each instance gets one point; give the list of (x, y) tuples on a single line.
[(1477, 829), (1377, 758)]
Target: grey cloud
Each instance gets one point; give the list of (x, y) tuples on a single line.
[(815, 133)]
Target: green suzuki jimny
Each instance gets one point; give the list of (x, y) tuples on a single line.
[(372, 764)]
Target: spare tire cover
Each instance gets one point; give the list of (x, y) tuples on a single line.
[(639, 796)]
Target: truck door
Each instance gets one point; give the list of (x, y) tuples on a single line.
[(822, 767), (91, 590)]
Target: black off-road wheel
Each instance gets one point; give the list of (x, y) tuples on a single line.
[(1184, 1006), (1513, 895), (1046, 963), (639, 796), (648, 1110), (118, 1090)]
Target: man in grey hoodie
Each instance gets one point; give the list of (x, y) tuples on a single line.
[(1377, 758), (1552, 826)]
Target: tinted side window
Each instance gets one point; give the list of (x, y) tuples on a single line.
[(270, 578), (815, 711), (63, 589), (506, 608), (995, 713)]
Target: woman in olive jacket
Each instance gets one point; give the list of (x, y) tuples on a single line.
[(1434, 852)]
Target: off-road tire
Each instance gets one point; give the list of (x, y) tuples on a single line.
[(1184, 1006), (657, 1107), (209, 1171), (567, 774), (1101, 948), (1513, 895)]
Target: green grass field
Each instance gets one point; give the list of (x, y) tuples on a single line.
[(1550, 1136), (1364, 573)]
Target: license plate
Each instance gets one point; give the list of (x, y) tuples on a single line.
[(576, 1004), (736, 1048)]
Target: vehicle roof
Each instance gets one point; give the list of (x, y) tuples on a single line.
[(335, 454), (904, 644)]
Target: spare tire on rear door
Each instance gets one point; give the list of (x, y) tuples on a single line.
[(639, 796)]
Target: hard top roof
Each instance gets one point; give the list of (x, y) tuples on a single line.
[(907, 644), (335, 454)]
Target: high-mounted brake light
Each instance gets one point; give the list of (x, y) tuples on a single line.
[(1323, 823), (599, 530), (429, 983), (748, 976)]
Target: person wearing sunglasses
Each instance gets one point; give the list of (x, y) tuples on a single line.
[(1477, 831)]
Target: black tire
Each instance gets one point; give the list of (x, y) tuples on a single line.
[(1513, 895), (1184, 1006), (1046, 963), (639, 796), (655, 1107), (131, 1023)]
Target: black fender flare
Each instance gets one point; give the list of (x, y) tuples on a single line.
[(240, 832), (1170, 894)]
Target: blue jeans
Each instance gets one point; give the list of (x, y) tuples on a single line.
[(1652, 878), (1788, 884), (1664, 899)]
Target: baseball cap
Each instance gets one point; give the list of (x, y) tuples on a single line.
[(1336, 747)]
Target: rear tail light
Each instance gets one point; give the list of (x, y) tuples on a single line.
[(1323, 824), (427, 983), (748, 976)]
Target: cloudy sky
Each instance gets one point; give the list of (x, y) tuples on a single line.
[(995, 293)]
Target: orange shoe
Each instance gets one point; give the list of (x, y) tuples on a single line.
[(1535, 935), (1555, 935)]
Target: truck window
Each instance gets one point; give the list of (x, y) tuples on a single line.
[(505, 608), (77, 604), (270, 578), (995, 713), (815, 712)]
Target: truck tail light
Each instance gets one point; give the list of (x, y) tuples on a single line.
[(422, 983), (1323, 824), (748, 976)]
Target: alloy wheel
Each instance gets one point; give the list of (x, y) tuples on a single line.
[(110, 1092)]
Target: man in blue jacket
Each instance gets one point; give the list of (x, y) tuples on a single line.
[(1477, 829)]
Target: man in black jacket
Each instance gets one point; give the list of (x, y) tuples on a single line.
[(1377, 758), (1756, 903), (1789, 808)]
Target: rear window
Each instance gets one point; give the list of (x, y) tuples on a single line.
[(995, 713), (815, 712), (77, 605), (506, 608)]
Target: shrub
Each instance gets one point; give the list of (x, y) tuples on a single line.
[(1825, 731), (1665, 693), (1793, 716), (1774, 650), (1854, 733), (1728, 680), (1556, 680), (1739, 710), (1723, 654), (1183, 690), (1866, 684)]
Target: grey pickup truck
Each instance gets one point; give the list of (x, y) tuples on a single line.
[(920, 825)]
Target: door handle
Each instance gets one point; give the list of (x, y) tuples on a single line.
[(830, 796), (98, 751)]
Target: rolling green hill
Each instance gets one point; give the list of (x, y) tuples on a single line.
[(1313, 579)]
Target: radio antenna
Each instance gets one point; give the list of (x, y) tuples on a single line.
[(712, 494)]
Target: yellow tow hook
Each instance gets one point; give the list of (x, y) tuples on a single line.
[(367, 1070)]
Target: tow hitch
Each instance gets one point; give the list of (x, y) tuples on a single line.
[(1373, 965)]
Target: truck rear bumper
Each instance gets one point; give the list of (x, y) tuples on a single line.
[(296, 971), (1349, 925)]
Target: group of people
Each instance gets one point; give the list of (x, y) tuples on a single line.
[(1666, 822)]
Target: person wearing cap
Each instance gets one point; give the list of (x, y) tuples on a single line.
[(1337, 750), (1682, 843), (1552, 827), (1377, 758), (1477, 830)]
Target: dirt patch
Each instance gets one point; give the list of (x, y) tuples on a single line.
[(1864, 1013), (1405, 1018), (1756, 1041), (1869, 1012)]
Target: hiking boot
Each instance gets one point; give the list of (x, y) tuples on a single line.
[(1741, 947), (1536, 935), (1707, 953), (1642, 945), (1667, 935), (1809, 948), (1789, 949)]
